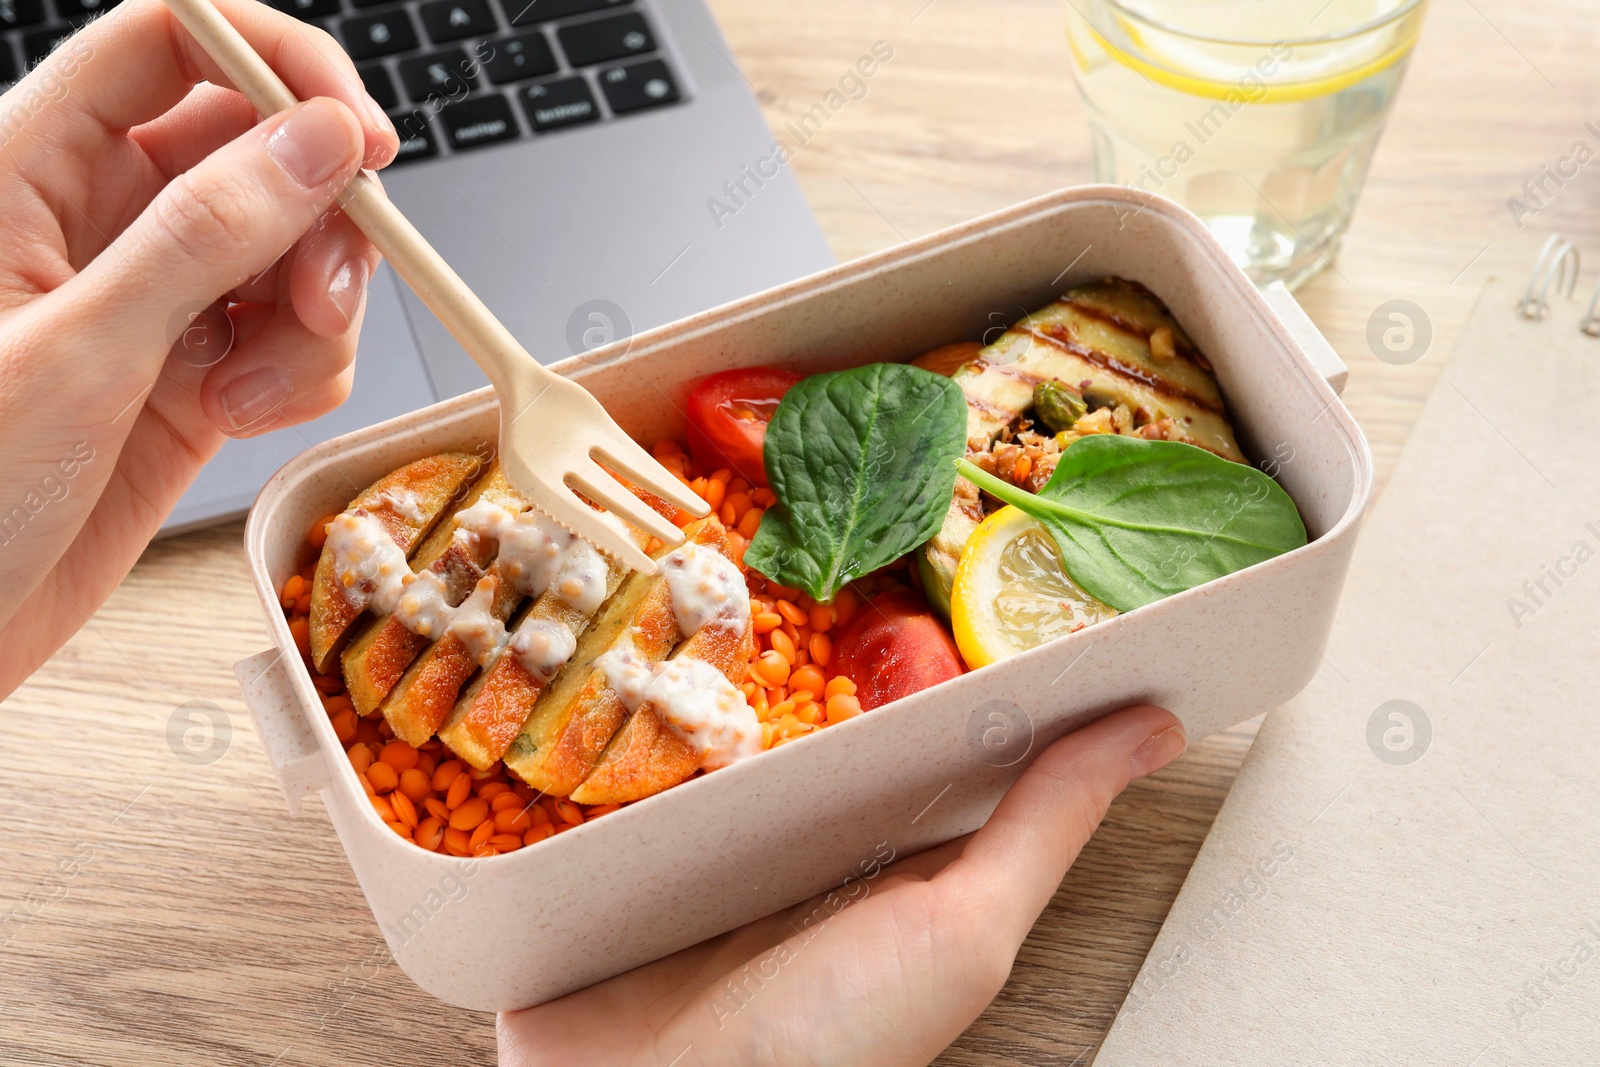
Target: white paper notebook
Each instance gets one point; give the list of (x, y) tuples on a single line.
[(1399, 884)]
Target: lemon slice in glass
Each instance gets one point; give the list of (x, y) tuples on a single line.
[(1206, 48), (1011, 592)]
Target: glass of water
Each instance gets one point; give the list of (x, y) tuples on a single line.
[(1260, 116)]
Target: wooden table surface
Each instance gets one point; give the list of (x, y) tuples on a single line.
[(158, 911)]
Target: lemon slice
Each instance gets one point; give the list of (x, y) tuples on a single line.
[(1213, 68), (1011, 592)]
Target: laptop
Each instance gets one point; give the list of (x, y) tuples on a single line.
[(592, 168)]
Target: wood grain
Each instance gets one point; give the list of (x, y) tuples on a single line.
[(157, 910)]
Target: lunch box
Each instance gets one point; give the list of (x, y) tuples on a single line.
[(739, 843)]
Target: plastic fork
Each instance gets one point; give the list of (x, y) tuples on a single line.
[(553, 433)]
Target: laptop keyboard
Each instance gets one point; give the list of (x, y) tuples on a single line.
[(454, 75)]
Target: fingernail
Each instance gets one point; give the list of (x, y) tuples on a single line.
[(249, 398), (1158, 750), (348, 286), (311, 145), (382, 155)]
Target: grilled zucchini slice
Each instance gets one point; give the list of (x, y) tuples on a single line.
[(1112, 342), (646, 755), (1098, 339), (408, 503)]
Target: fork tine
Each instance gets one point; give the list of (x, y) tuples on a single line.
[(594, 527), (645, 471), (609, 494)]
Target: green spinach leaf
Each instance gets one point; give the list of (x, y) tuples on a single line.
[(1139, 520), (862, 462)]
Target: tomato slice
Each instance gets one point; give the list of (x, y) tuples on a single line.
[(896, 646), (728, 415)]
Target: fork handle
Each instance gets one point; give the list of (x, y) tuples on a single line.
[(509, 367)]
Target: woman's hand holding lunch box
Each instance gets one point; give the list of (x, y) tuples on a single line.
[(886, 971)]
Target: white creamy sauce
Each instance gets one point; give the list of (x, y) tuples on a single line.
[(369, 566), (405, 503), (706, 588), (534, 554), (628, 673), (543, 647), (537, 553), (693, 699), (474, 624), (703, 708), (424, 606)]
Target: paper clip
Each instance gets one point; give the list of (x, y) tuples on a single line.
[(1556, 266), (1591, 318)]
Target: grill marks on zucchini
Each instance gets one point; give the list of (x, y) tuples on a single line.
[(1097, 340), (1061, 336), (1099, 334)]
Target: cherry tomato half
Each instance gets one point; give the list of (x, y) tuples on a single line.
[(896, 646), (728, 415)]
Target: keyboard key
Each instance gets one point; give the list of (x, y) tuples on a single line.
[(76, 11), (638, 86), (451, 20), (555, 104), (528, 12), (379, 86), (39, 43), (479, 121), (366, 36), (372, 3), (511, 59), (304, 9), (8, 65), (441, 75), (416, 136), (595, 42), (15, 14)]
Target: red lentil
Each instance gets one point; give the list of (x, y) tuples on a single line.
[(399, 755), (468, 815), (344, 725), (446, 773), (513, 821), (429, 834), (382, 777), (842, 706), (415, 785), (360, 757), (404, 810), (792, 613), (459, 790)]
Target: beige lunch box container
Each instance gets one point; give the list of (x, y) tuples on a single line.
[(743, 842)]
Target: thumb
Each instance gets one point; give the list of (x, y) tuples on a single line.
[(220, 224), (1013, 865)]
